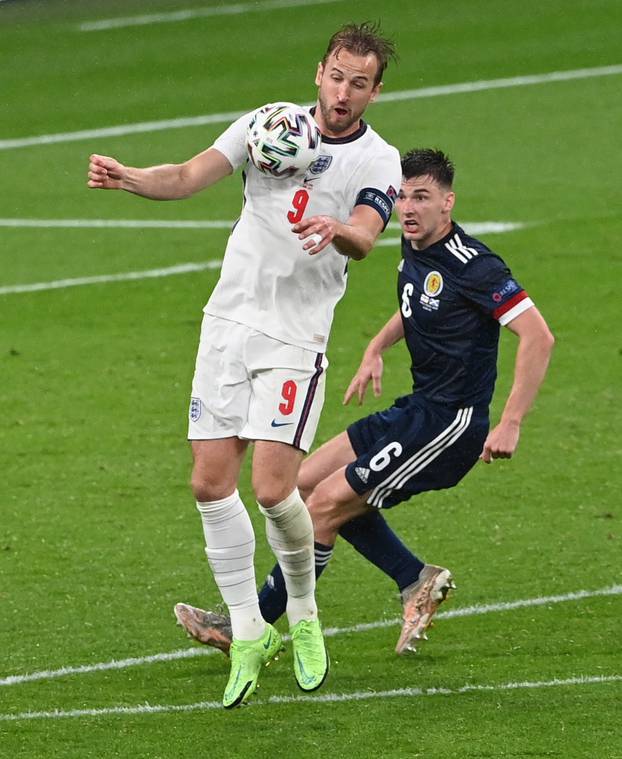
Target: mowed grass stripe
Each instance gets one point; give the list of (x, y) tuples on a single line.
[(188, 14), (474, 227), (187, 653), (324, 698), (225, 118)]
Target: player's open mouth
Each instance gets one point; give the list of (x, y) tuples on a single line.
[(411, 225), (341, 111)]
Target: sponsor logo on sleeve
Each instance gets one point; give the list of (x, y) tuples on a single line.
[(509, 287)]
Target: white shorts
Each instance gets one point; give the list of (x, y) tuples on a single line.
[(252, 386)]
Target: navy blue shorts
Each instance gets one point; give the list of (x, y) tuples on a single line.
[(412, 447)]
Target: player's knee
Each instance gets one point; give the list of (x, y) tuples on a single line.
[(206, 487), (269, 493), (305, 484), (323, 508)]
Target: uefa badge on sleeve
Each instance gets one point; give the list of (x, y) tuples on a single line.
[(195, 409)]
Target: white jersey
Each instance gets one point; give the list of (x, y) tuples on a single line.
[(268, 282)]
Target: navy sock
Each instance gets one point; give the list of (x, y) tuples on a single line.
[(273, 594), (375, 540)]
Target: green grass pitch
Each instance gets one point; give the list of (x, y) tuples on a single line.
[(98, 533)]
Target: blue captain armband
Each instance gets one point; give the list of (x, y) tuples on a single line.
[(369, 196)]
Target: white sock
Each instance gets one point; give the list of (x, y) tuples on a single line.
[(230, 550), (290, 534)]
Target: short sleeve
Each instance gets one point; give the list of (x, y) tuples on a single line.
[(489, 283), (379, 183), (232, 142)]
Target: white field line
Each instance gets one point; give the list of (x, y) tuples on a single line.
[(188, 653), (325, 698), (226, 118), (104, 278), (474, 228), (233, 9), (117, 224)]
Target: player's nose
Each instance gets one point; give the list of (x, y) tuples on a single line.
[(343, 92)]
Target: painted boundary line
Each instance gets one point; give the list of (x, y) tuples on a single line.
[(327, 698), (232, 9), (475, 228), (225, 118), (115, 224), (189, 653), (105, 278)]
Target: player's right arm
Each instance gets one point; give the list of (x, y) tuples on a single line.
[(171, 181), (371, 364)]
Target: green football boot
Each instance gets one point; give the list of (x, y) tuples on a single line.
[(247, 659), (311, 662)]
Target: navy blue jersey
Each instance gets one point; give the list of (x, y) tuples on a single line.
[(453, 296)]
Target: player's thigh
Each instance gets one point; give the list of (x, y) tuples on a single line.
[(287, 393), (221, 388), (329, 457), (216, 467), (275, 471), (333, 503)]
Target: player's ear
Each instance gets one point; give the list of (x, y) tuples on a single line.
[(319, 73), (450, 200), (375, 92)]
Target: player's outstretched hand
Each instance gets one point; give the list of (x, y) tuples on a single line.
[(370, 369), (105, 173), (316, 232), (501, 442)]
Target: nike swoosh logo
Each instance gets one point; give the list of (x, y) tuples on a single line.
[(268, 643), (306, 679), (280, 424)]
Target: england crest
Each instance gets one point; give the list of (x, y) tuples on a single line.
[(195, 409), (321, 164)]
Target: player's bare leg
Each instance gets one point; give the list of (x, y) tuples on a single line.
[(327, 459)]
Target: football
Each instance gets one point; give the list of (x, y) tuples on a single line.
[(283, 140)]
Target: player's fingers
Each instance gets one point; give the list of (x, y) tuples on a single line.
[(312, 242), (349, 392), (103, 160), (377, 385), (303, 225)]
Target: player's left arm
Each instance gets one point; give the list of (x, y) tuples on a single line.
[(532, 359), (354, 238)]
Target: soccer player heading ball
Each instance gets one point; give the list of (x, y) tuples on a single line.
[(261, 361)]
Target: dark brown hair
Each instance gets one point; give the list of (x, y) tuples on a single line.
[(363, 39), (422, 162)]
